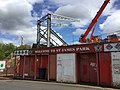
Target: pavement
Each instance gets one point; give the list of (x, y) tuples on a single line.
[(5, 78), (40, 85)]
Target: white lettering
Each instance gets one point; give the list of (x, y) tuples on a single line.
[(64, 50), (70, 49), (53, 50), (45, 51), (83, 49), (58, 50), (38, 51), (42, 51), (87, 48), (77, 49)]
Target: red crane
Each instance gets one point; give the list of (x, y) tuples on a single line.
[(82, 39)]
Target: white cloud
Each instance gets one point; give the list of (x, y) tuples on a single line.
[(112, 23), (7, 41), (79, 32), (85, 10), (29, 36), (91, 5), (70, 10), (15, 20), (34, 1), (45, 12), (75, 42), (15, 16), (82, 9)]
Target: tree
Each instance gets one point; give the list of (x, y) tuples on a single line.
[(7, 49), (1, 52)]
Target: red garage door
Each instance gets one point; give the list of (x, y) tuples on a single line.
[(42, 63), (84, 70), (105, 69), (52, 67), (88, 68), (32, 66)]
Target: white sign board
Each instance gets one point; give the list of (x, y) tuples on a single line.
[(112, 47), (21, 52), (115, 68), (2, 64)]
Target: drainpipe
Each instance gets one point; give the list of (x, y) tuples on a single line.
[(98, 68), (24, 67), (15, 67), (48, 67), (35, 70)]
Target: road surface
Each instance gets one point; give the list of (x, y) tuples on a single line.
[(38, 85)]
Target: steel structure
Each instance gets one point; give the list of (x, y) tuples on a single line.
[(46, 34)]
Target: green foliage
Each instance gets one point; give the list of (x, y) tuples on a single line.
[(6, 49)]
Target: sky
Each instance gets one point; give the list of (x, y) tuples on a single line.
[(18, 18)]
